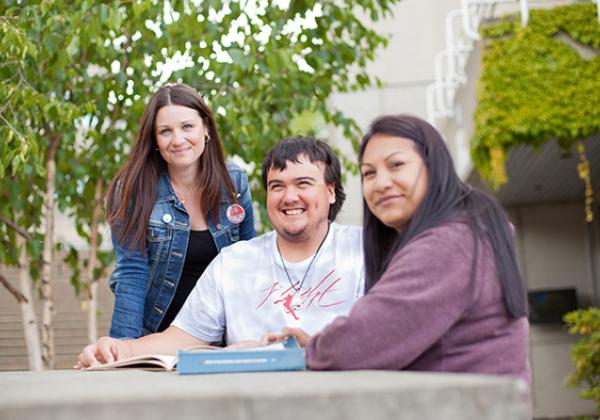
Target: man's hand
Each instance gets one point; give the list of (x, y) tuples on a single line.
[(105, 350), (245, 344), (286, 333)]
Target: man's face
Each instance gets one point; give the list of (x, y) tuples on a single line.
[(298, 200)]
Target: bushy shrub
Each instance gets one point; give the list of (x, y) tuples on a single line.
[(586, 353)]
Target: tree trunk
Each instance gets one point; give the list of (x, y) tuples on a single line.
[(30, 325), (47, 257), (91, 282), (93, 313)]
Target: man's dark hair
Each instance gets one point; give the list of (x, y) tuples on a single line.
[(447, 199), (291, 149)]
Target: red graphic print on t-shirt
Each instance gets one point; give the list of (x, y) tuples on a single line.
[(321, 294)]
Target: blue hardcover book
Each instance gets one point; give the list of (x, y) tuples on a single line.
[(288, 356)]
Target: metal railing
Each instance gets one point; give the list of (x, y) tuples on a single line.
[(450, 63)]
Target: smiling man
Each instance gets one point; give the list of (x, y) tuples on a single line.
[(305, 273)]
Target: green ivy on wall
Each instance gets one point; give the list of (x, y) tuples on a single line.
[(535, 87)]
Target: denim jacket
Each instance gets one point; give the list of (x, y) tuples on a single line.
[(144, 283)]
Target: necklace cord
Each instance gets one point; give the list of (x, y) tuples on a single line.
[(287, 274), (186, 195)]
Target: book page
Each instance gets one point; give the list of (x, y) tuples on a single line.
[(143, 361)]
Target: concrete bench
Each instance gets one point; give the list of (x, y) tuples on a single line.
[(369, 395)]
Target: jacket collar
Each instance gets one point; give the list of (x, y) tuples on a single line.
[(164, 191)]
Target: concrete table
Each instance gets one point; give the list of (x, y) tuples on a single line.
[(369, 395)]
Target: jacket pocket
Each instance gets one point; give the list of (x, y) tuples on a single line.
[(158, 239), (234, 233)]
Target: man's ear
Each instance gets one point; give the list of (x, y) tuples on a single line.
[(331, 193)]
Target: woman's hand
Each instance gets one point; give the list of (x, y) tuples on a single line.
[(105, 350), (272, 338), (301, 336)]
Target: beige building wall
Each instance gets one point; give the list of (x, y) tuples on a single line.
[(553, 239), (405, 68), (554, 252)]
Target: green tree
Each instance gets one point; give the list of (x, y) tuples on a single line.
[(262, 65), (36, 119), (74, 76)]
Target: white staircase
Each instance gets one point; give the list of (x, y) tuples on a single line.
[(462, 32)]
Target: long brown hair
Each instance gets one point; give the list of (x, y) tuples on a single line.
[(132, 194)]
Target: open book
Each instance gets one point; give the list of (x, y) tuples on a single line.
[(151, 361), (143, 362), (169, 362)]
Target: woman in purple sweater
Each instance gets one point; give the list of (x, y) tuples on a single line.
[(443, 290)]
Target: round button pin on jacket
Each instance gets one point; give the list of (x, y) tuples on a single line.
[(167, 218), (236, 214)]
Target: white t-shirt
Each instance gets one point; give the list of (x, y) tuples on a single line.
[(246, 289)]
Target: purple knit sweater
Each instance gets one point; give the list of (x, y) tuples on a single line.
[(424, 314)]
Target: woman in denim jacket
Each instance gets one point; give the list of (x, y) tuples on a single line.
[(171, 208)]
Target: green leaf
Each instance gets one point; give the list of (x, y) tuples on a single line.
[(73, 46)]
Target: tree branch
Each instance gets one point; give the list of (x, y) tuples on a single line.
[(18, 295), (10, 95), (7, 63), (16, 228), (17, 132), (52, 145)]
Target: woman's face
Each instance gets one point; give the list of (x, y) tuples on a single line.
[(180, 135), (394, 179)]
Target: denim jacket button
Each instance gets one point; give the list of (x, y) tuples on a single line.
[(219, 226), (166, 218)]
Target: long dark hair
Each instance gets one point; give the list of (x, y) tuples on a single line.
[(137, 181), (447, 198)]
